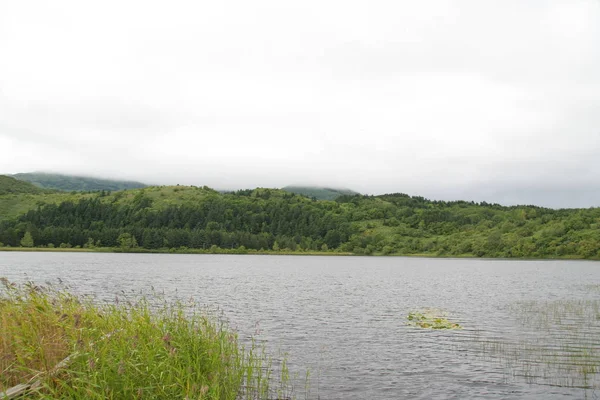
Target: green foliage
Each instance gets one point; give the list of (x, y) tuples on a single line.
[(197, 218), (126, 241), (319, 193), (16, 204), (27, 240), (75, 183), (9, 185)]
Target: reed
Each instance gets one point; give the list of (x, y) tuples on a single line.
[(123, 350), (557, 343)]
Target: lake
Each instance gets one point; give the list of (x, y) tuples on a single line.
[(531, 329)]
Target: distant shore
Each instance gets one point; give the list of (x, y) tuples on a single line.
[(173, 251), (220, 251)]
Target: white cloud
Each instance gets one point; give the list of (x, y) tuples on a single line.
[(437, 98)]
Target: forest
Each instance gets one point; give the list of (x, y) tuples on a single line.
[(191, 218)]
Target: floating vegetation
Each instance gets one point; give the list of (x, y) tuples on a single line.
[(430, 319)]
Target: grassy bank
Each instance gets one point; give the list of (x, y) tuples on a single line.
[(278, 252), (59, 249), (64, 346), (174, 251)]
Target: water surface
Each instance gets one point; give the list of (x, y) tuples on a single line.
[(344, 318)]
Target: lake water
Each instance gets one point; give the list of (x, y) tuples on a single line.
[(531, 328)]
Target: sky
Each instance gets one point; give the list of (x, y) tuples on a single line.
[(494, 101)]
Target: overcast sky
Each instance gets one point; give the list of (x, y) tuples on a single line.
[(476, 100)]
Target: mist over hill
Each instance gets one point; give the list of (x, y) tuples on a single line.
[(75, 183), (319, 193), (10, 185)]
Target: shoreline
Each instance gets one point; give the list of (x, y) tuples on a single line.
[(274, 253)]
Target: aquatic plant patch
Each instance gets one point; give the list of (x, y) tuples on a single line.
[(431, 319), (555, 343)]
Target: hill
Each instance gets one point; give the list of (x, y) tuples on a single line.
[(70, 183), (9, 185), (189, 218), (319, 193)]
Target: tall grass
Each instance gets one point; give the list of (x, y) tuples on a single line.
[(124, 350)]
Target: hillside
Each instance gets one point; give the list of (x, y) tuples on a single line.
[(319, 193), (70, 183), (185, 217), (9, 185)]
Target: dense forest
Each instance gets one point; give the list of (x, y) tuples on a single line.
[(184, 217), (75, 183)]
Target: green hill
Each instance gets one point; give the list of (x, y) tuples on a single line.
[(190, 218), (319, 193), (9, 185), (17, 197), (70, 183)]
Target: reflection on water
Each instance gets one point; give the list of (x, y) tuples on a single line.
[(528, 327)]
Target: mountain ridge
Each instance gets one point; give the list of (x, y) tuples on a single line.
[(79, 183), (11, 185), (319, 192)]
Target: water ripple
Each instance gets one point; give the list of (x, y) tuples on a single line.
[(531, 329)]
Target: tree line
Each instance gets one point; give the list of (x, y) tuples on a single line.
[(275, 220), (223, 220)]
